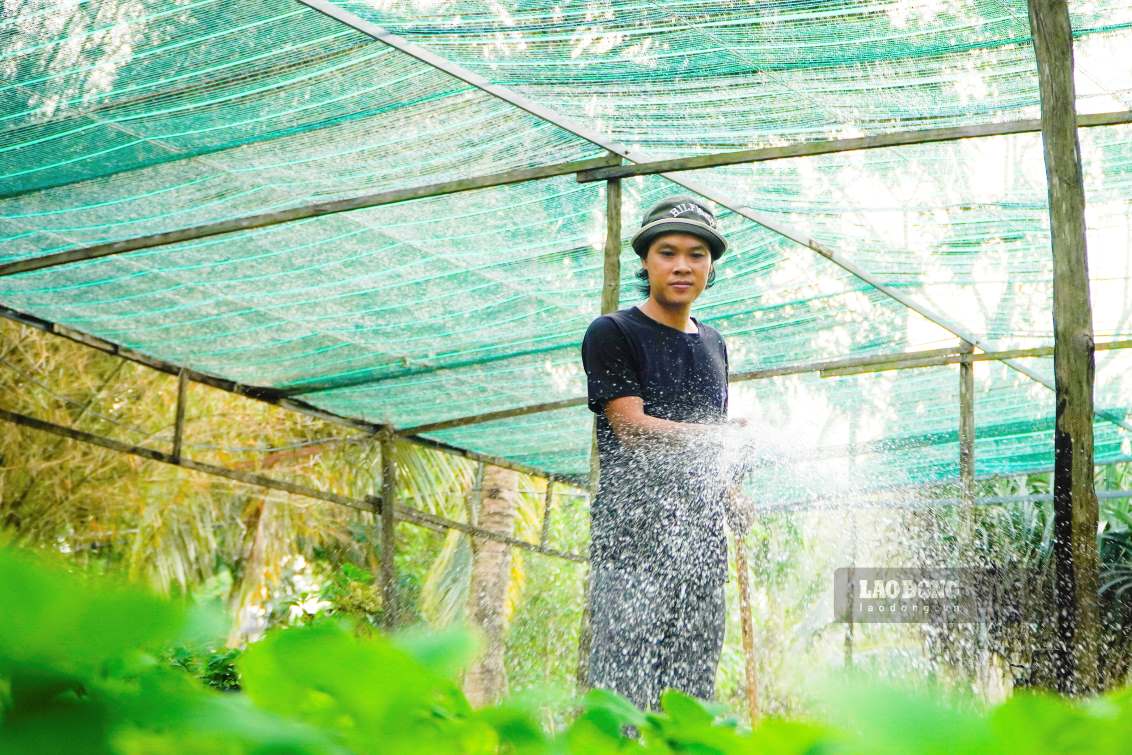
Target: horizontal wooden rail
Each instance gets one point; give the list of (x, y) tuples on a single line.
[(827, 368), (315, 210), (833, 146)]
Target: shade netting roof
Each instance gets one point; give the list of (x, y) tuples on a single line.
[(125, 118)]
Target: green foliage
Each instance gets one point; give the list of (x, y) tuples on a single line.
[(79, 672), (215, 667)]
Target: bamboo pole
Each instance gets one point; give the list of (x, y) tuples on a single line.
[(389, 607), (746, 621), (1076, 562)]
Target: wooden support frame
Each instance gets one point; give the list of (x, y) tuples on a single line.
[(372, 504), (835, 146), (304, 212), (384, 36), (235, 475), (1076, 560), (257, 393)]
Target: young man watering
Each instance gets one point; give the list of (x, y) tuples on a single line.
[(658, 384)]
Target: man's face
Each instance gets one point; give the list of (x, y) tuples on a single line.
[(678, 265)]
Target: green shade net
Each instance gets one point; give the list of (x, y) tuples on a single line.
[(126, 118)]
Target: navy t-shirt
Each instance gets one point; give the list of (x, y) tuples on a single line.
[(657, 506)]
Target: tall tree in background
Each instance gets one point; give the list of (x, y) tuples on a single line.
[(486, 680)]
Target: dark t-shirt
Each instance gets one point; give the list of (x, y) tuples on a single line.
[(657, 506)]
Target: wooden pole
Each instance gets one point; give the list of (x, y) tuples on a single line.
[(389, 606), (967, 444), (179, 420), (610, 298), (747, 622), (1074, 496), (546, 509)]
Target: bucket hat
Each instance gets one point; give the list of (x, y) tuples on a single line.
[(680, 214)]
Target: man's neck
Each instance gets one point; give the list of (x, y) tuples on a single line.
[(678, 317)]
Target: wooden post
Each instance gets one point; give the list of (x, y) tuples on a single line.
[(746, 621), (388, 534), (179, 421), (966, 449), (610, 298), (546, 512), (851, 624), (1074, 496)]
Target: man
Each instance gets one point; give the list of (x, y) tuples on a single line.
[(658, 384)]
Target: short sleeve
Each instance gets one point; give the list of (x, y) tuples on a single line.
[(609, 364), (726, 375)]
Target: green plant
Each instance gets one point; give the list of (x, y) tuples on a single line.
[(79, 671)]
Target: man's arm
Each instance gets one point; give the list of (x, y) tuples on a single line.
[(627, 417)]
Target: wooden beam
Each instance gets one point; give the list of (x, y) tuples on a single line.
[(1076, 561), (476, 419), (913, 361), (315, 210), (834, 146), (389, 606)]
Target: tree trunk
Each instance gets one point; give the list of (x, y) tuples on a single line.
[(486, 680), (247, 570)]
